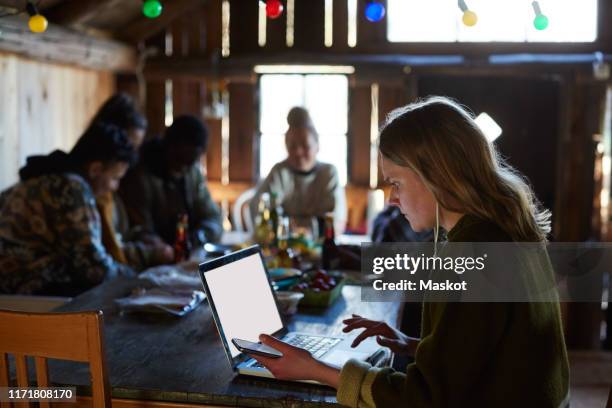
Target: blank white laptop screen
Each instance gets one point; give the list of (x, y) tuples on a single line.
[(244, 301)]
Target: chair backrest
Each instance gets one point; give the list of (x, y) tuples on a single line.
[(241, 211), (63, 336)]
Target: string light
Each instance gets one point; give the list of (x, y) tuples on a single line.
[(37, 22), (152, 8), (374, 11), (274, 8), (540, 22), (469, 17)]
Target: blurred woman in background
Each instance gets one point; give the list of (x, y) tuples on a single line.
[(127, 244), (304, 187)]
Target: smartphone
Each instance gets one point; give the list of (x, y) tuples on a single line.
[(256, 348)]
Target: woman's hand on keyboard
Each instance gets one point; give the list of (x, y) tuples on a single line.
[(296, 364), (386, 335)]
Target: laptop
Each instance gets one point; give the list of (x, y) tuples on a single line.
[(243, 305)]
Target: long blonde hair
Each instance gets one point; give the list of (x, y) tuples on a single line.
[(439, 140)]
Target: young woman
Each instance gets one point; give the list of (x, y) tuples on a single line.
[(50, 231), (441, 167), (305, 187), (125, 243)]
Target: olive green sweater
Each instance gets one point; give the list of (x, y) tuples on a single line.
[(472, 354)]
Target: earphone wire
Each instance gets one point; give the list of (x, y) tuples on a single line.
[(436, 231)]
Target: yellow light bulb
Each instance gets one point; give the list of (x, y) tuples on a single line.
[(470, 18), (38, 23)]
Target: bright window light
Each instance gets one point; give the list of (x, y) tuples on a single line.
[(498, 21), (304, 69), (262, 24), (489, 127), (325, 97), (168, 104)]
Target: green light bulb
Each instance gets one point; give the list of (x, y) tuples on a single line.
[(152, 8), (540, 22)]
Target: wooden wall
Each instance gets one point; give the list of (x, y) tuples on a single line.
[(44, 107), (196, 64)]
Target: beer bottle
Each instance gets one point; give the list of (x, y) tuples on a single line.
[(330, 254), (182, 246)]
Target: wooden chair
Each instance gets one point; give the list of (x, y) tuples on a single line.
[(64, 336)]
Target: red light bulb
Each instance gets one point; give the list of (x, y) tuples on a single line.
[(274, 8)]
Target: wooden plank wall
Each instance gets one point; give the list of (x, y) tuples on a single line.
[(198, 37), (44, 107), (396, 87)]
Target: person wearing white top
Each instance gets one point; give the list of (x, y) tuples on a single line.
[(305, 187)]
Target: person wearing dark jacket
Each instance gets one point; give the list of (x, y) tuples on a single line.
[(127, 244), (50, 231), (168, 183), (390, 225)]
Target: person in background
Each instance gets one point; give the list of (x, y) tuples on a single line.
[(390, 225), (125, 244), (50, 231), (444, 172), (168, 183), (305, 187)]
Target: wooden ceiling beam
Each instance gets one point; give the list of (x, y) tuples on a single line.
[(240, 68), (143, 27), (77, 12), (13, 4), (65, 46)]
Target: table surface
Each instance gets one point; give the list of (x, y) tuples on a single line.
[(164, 358)]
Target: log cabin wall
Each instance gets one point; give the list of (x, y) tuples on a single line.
[(193, 68), (189, 39), (44, 106), (188, 67)]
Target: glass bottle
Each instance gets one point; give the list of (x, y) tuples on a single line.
[(182, 246), (284, 254), (276, 213), (263, 233), (330, 254)]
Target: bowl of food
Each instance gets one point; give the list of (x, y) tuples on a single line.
[(320, 288), (288, 301)]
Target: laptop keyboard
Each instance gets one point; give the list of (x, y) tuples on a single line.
[(316, 345)]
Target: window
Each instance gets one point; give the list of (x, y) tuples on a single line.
[(325, 96), (498, 20)]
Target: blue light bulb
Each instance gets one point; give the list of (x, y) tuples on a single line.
[(374, 11)]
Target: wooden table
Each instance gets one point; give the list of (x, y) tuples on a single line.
[(161, 359)]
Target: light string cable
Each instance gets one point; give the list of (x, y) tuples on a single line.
[(14, 13), (436, 231)]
